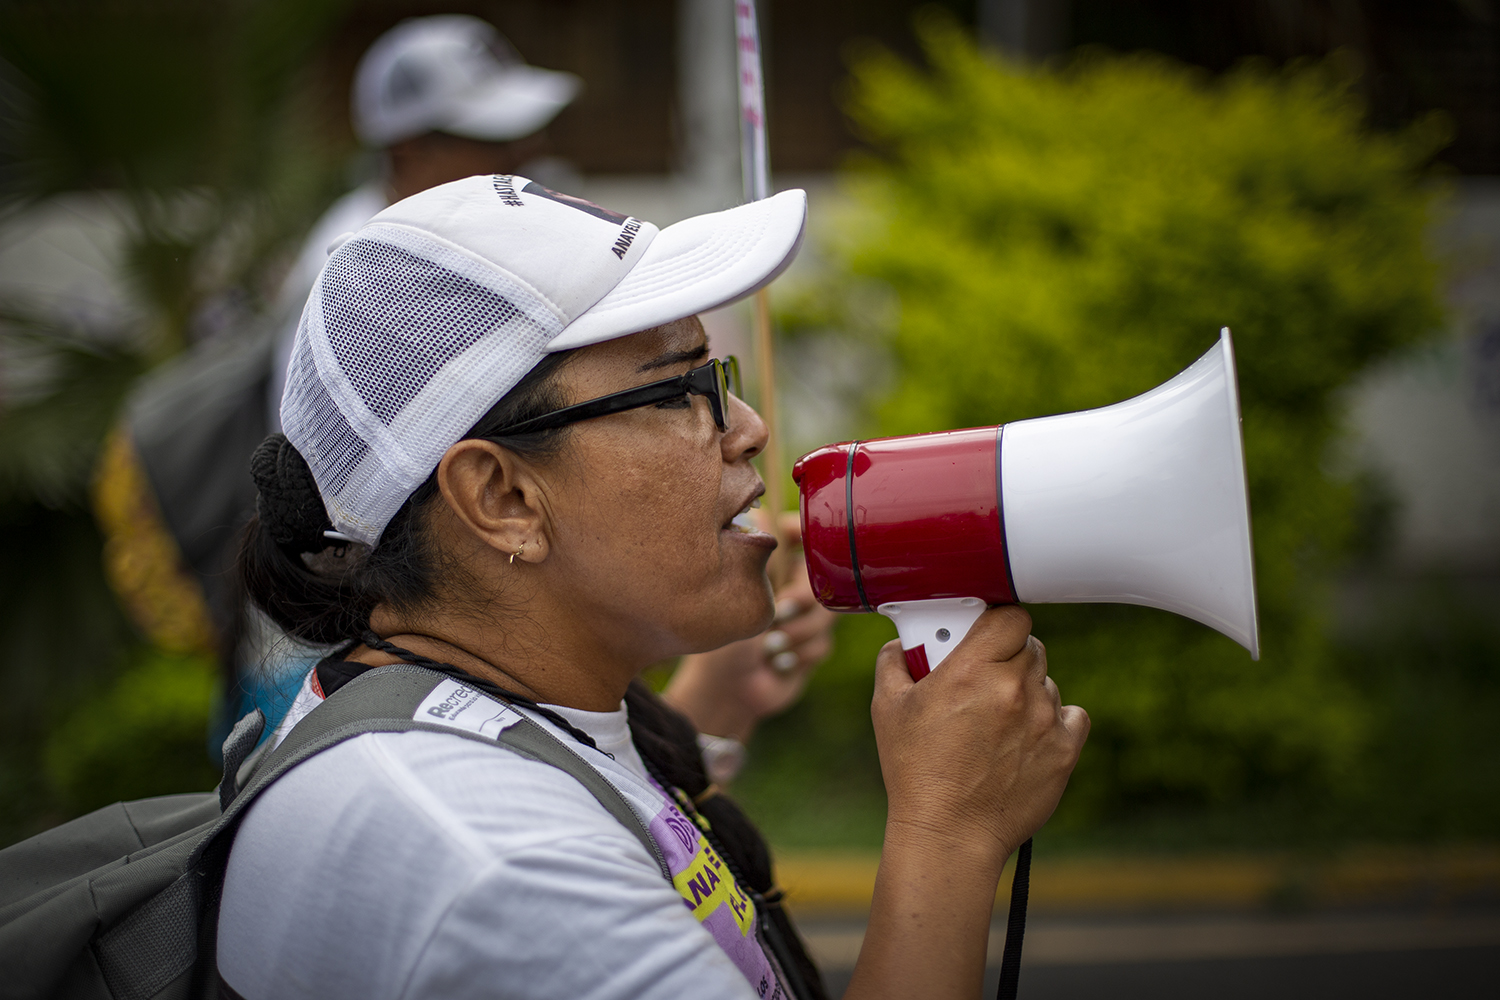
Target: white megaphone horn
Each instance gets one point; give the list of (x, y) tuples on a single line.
[(1143, 502)]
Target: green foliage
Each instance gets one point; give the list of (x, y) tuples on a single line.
[(1428, 662), (812, 778), (1429, 767), (201, 129), (154, 94), (1059, 240), (142, 736), (197, 119), (156, 99)]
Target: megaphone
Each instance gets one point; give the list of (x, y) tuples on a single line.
[(1143, 502)]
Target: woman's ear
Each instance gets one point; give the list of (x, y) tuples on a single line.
[(497, 496)]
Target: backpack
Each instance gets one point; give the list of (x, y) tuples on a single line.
[(123, 904)]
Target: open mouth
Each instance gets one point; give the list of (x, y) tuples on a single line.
[(741, 522)]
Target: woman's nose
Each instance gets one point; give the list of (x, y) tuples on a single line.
[(747, 434)]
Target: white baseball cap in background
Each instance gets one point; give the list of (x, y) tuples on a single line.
[(423, 319), (452, 73)]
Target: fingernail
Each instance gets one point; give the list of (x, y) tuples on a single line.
[(775, 641), (786, 608), (784, 663)]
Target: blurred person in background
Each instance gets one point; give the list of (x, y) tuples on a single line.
[(440, 98)]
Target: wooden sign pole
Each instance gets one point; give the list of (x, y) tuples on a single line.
[(756, 171)]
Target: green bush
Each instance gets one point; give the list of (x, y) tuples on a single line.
[(1057, 240), (142, 736)]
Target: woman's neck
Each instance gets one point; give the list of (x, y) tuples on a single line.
[(550, 676)]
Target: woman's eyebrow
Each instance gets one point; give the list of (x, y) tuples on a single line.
[(676, 358)]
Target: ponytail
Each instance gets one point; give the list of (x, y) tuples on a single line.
[(323, 591)]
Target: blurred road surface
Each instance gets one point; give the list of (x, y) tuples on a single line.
[(1366, 954)]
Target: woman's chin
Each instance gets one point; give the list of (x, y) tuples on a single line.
[(744, 613)]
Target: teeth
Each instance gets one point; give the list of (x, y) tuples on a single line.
[(741, 521)]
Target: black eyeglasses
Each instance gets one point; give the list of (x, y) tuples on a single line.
[(714, 381)]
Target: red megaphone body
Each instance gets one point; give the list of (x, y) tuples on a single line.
[(1143, 502)]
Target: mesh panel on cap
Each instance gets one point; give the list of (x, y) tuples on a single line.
[(404, 343), (330, 446), (390, 346)]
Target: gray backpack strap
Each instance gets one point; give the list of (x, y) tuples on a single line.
[(385, 699), (237, 747), (530, 740)]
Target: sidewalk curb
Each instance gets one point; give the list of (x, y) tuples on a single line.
[(844, 881)]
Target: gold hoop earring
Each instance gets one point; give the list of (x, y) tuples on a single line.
[(518, 552)]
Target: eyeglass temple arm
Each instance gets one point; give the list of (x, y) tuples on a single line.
[(615, 402)]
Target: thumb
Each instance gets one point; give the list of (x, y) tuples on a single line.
[(891, 676)]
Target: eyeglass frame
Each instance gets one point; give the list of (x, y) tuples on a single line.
[(711, 381)]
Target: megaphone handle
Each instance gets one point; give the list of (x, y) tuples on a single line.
[(930, 629)]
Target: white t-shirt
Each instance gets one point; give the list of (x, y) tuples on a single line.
[(420, 865)]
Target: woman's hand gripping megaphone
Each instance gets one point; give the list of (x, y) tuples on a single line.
[(975, 758)]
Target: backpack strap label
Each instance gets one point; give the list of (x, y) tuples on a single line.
[(455, 704)]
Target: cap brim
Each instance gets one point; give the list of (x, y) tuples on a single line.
[(513, 104), (696, 265)]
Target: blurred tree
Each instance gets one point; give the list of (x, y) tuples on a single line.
[(194, 124), (1059, 240)]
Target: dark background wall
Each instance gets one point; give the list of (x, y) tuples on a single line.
[(1414, 56)]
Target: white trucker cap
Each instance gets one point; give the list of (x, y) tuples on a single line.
[(425, 317), (452, 73)]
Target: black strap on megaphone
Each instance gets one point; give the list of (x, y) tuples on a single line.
[(1015, 925)]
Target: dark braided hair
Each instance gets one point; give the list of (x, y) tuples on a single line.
[(287, 501), (325, 598)]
